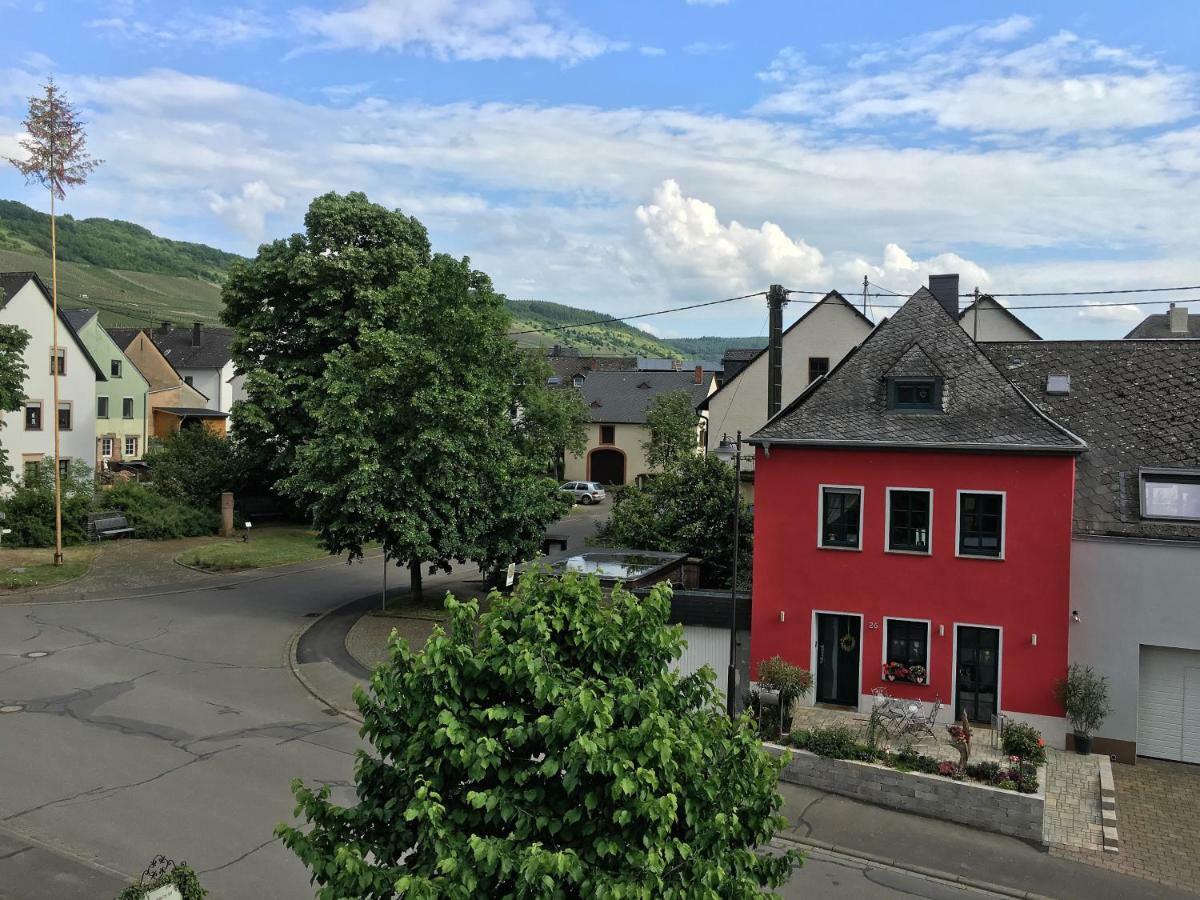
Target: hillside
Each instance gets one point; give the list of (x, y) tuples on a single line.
[(109, 244), (610, 339), (712, 348)]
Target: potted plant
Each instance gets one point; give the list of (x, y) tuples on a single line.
[(1084, 695)]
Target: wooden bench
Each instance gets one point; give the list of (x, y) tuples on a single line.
[(107, 524), (551, 539)]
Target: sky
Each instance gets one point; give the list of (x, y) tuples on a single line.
[(632, 156)]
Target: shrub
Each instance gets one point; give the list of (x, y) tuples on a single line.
[(835, 742), (157, 517), (792, 683), (194, 465), (29, 510), (1008, 784), (949, 769), (1084, 695), (987, 772), (1024, 741)]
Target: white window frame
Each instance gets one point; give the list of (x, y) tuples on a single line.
[(125, 448), (29, 401), (998, 710), (887, 523), (862, 502), (1003, 495), (883, 652), (109, 453)]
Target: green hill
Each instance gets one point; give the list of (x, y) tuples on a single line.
[(135, 277)]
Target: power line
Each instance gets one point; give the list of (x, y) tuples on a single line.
[(638, 316), (886, 292)]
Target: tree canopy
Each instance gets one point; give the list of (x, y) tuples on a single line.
[(13, 341), (547, 749), (686, 509), (671, 420), (385, 396)]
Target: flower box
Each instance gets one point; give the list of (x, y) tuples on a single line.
[(895, 671)]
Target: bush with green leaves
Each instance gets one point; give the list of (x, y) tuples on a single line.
[(833, 741), (1084, 695), (194, 465), (29, 509), (547, 748), (1025, 741), (155, 516), (181, 875), (791, 682)]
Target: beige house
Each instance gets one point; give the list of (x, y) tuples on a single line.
[(988, 322), (617, 403)]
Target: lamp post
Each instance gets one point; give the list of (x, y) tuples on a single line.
[(731, 452)]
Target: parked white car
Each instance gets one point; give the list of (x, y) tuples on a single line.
[(585, 492)]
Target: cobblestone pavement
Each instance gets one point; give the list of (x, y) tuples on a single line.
[(1158, 807), (1073, 818)]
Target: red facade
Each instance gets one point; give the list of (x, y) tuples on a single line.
[(1023, 594)]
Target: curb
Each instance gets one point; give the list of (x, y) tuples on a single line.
[(1108, 806), (293, 665), (923, 871)]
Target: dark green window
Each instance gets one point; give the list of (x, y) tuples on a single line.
[(840, 509), (915, 394), (907, 642), (908, 525), (980, 524)]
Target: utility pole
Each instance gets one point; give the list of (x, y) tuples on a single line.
[(776, 298), (975, 317), (732, 679), (865, 283)]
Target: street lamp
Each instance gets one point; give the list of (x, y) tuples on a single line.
[(731, 452)]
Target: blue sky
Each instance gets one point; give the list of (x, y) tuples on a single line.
[(629, 156)]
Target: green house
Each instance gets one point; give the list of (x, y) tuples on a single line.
[(121, 400)]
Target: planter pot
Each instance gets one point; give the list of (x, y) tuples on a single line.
[(1083, 744)]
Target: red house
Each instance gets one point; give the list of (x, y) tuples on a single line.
[(913, 527)]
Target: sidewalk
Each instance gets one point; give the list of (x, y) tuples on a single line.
[(907, 840)]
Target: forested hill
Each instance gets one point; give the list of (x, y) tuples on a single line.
[(109, 244)]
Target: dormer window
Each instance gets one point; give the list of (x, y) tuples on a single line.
[(1171, 494), (915, 394)]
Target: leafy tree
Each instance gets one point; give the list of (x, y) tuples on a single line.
[(193, 464), (547, 749), (29, 509), (686, 509), (671, 420), (13, 341)]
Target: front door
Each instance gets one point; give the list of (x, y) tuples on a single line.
[(837, 659), (978, 686)]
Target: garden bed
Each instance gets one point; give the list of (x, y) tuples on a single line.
[(967, 802)]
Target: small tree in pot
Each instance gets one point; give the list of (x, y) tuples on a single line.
[(1084, 695)]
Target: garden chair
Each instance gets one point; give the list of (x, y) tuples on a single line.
[(927, 721)]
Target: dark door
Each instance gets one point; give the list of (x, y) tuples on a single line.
[(837, 659), (978, 673), (607, 466)]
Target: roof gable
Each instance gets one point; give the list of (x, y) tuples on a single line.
[(624, 397), (915, 363), (981, 409), (990, 306), (11, 284)]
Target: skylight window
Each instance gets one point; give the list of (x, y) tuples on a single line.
[(915, 394), (1059, 385), (1171, 494)]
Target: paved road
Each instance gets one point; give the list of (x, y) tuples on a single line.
[(169, 723)]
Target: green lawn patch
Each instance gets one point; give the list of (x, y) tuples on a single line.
[(274, 546), (28, 567)]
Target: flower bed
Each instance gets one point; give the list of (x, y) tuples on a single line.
[(895, 671), (840, 742)]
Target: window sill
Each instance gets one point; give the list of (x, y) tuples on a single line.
[(980, 556), (910, 552), (907, 681), (834, 547)]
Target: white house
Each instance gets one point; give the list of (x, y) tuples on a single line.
[(28, 435), (203, 356)]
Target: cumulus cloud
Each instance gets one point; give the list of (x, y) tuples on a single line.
[(247, 212), (976, 79), (453, 29), (899, 272)]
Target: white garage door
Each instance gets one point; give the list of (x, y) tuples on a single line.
[(1169, 704), (706, 647)]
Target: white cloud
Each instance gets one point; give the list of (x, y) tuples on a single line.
[(706, 48), (231, 26), (652, 51), (247, 212), (970, 78), (453, 29), (899, 272)]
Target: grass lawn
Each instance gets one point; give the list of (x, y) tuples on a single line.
[(270, 546), (34, 567)]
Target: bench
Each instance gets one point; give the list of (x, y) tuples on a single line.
[(550, 540), (107, 524)]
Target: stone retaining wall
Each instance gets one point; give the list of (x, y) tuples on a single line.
[(970, 803)]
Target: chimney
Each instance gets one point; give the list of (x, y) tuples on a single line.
[(166, 328), (776, 297), (196, 327), (1178, 316), (699, 377), (595, 364), (945, 289)]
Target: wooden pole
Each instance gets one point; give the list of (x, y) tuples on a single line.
[(58, 550)]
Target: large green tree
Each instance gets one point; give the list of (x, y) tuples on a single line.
[(686, 509), (547, 749), (13, 341), (671, 420), (387, 396)]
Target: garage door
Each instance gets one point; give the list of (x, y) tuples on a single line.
[(706, 647), (1169, 704)]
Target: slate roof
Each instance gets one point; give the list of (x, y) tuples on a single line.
[(198, 412), (623, 397), (1158, 327), (1136, 404), (79, 317), (11, 282), (741, 354), (123, 337), (567, 367), (176, 345), (981, 409), (670, 364)]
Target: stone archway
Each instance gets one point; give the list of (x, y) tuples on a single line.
[(606, 465)]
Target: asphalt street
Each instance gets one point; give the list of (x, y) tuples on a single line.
[(169, 723)]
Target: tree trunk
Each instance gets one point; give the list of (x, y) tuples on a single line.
[(414, 579)]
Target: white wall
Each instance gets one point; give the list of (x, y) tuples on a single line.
[(994, 324), (207, 382), (30, 310), (1131, 593), (830, 329)]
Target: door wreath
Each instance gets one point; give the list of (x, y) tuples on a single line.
[(847, 642)]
